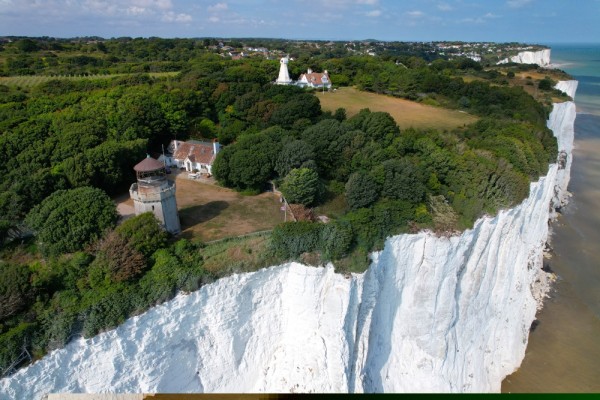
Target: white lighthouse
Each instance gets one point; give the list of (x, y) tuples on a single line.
[(284, 76)]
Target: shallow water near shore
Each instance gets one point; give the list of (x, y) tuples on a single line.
[(563, 354)]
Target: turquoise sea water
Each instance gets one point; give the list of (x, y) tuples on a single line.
[(583, 62), (563, 354)]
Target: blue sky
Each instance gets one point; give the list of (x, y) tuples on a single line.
[(532, 21)]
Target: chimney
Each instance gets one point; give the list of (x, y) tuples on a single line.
[(216, 147), (325, 72), (175, 145), (309, 71)]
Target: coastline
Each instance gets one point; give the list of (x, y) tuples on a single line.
[(430, 314)]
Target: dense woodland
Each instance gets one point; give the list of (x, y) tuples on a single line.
[(65, 145)]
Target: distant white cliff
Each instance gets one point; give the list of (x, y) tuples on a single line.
[(431, 314), (540, 57)]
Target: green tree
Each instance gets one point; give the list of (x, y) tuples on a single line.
[(249, 163), (15, 289), (301, 186), (293, 155), (301, 106), (546, 84), (402, 181), (361, 190), (67, 220)]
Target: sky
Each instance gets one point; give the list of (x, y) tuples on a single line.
[(530, 21)]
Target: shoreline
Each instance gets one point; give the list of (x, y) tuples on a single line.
[(432, 314)]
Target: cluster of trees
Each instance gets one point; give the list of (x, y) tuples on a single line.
[(50, 56), (64, 134), (389, 176), (66, 145), (44, 304)]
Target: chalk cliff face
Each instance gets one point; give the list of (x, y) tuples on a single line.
[(431, 314), (541, 58), (562, 115)]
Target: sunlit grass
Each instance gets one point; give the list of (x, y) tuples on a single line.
[(28, 81), (406, 113)]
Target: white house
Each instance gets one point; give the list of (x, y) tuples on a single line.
[(192, 155), (314, 79)]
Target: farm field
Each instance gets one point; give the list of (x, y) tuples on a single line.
[(27, 81), (406, 113)]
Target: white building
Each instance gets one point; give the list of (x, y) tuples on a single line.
[(284, 75), (314, 79), (192, 155)]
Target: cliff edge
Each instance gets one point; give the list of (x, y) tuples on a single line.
[(540, 57), (431, 314)]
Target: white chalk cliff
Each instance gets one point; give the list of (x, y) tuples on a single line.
[(431, 314), (540, 57)]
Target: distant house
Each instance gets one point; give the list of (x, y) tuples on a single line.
[(192, 155), (314, 80)]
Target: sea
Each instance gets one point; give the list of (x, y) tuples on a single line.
[(563, 353)]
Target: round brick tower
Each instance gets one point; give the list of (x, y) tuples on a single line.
[(155, 193)]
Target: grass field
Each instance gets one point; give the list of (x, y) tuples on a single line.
[(406, 113), (208, 212), (27, 81)]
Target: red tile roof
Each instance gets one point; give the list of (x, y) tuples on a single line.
[(202, 153), (316, 78)]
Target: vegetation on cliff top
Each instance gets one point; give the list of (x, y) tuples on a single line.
[(65, 143)]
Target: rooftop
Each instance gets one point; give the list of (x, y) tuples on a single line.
[(148, 164)]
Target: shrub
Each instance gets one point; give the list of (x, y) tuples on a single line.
[(546, 84), (143, 233), (291, 239), (335, 240), (12, 344)]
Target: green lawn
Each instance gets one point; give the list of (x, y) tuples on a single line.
[(209, 212), (406, 113)]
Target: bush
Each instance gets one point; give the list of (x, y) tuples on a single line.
[(118, 257), (546, 84), (143, 233), (291, 239), (335, 240)]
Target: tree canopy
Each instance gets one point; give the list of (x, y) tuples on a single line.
[(301, 186), (67, 220)]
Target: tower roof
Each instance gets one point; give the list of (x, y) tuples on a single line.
[(148, 164)]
